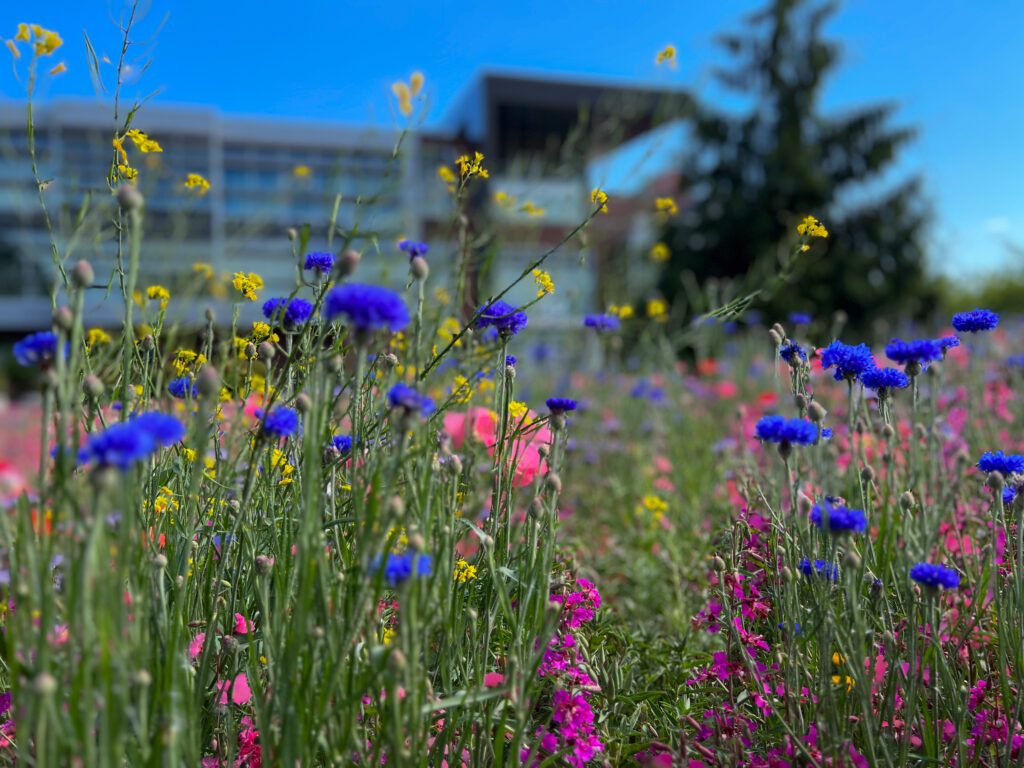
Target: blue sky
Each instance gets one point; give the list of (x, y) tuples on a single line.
[(954, 67)]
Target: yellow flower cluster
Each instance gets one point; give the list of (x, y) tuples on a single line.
[(464, 572), (469, 168), (247, 284), (543, 282), (187, 361), (519, 412), (302, 171), (200, 185), (442, 297), (657, 309), (531, 209), (660, 252), (448, 177), (599, 198), (623, 312), (262, 332), (203, 269), (405, 93), (462, 390), (44, 43), (160, 293), (667, 54), (666, 205), (95, 337), (143, 142), (812, 227)]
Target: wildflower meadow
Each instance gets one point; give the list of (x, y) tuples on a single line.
[(381, 524)]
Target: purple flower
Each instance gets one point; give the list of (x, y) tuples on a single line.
[(320, 261), (36, 348), (849, 361), (919, 351), (291, 311), (884, 379), (279, 422), (602, 323), (403, 396), (182, 387), (935, 576), (560, 404), (399, 568), (413, 248), (503, 317), (367, 307), (976, 320), (1005, 464), (778, 429), (165, 430), (838, 519)]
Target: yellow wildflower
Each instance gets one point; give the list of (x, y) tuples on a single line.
[(655, 505), (448, 177), (623, 312), (441, 296), (657, 309), (666, 205), (519, 412), (95, 337), (203, 269), (404, 96), (119, 146), (247, 284), (240, 347), (543, 282), (464, 572), (143, 142), (469, 168), (836, 680), (387, 635), (159, 292), (198, 183), (302, 171), (838, 658), (533, 210), (811, 226), (504, 199), (62, 67), (13, 47), (462, 390), (449, 327), (262, 332), (127, 171), (660, 252), (22, 33), (599, 198), (416, 83), (667, 54)]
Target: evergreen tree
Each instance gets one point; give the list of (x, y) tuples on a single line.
[(754, 176)]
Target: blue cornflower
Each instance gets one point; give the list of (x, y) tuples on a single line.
[(183, 387), (119, 445), (279, 422), (792, 352), (291, 311), (838, 519), (503, 317), (884, 379), (919, 351), (36, 348), (602, 323), (367, 307), (644, 389), (777, 429), (398, 568), (560, 404), (978, 320), (799, 318), (320, 261), (341, 443), (1015, 361), (1009, 494), (164, 429), (511, 360), (403, 396), (413, 248), (1005, 464), (820, 567), (948, 342), (849, 361), (935, 576)]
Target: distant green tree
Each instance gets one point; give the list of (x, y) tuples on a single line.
[(754, 175)]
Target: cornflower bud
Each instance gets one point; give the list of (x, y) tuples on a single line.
[(82, 274), (348, 262), (816, 412), (129, 198), (63, 319), (419, 268)]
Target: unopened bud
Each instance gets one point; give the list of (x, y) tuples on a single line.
[(93, 386), (160, 562), (396, 507), (867, 474), (800, 401), (347, 262), (293, 234), (264, 565), (250, 351), (816, 412), (335, 363), (208, 314), (787, 574), (82, 274), (718, 564), (419, 268), (536, 508), (888, 432), (148, 343), (553, 482), (543, 451), (775, 337), (228, 644), (266, 351), (390, 360), (303, 403), (129, 197), (396, 661), (143, 678), (208, 382), (63, 319), (455, 465), (803, 504), (416, 542), (907, 501), (45, 684), (852, 560), (777, 327), (996, 481)]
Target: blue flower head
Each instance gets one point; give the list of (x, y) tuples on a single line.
[(279, 422), (341, 443), (602, 323), (849, 361), (1005, 464), (1015, 361), (399, 568), (403, 396), (503, 317), (320, 261), (164, 429), (778, 429), (838, 519), (884, 378), (560, 404), (36, 348), (978, 320), (948, 342), (829, 570), (799, 318), (290, 311), (919, 351), (183, 387), (792, 352), (367, 307), (413, 248), (935, 576), (1009, 494), (119, 445), (511, 360)]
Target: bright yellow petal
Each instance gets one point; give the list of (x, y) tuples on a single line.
[(416, 82)]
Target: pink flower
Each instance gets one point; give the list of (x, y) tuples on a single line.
[(493, 679), (481, 426), (239, 689), (196, 646), (242, 626)]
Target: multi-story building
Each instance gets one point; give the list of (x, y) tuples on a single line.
[(268, 175)]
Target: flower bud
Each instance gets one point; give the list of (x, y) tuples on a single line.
[(553, 482), (160, 562), (775, 337), (250, 351), (867, 474), (45, 684), (63, 319), (800, 401), (129, 198), (143, 678), (208, 314), (347, 262), (228, 645), (888, 432), (718, 564), (303, 403), (419, 268), (996, 481), (907, 501), (396, 507), (148, 343), (93, 386), (335, 363), (82, 274), (264, 565), (803, 504), (208, 382), (266, 351), (293, 234), (852, 560), (390, 360)]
